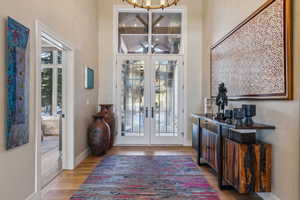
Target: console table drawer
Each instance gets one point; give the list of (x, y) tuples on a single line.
[(213, 127), (209, 148)]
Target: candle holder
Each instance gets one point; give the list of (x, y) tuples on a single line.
[(228, 116), (238, 115), (208, 107), (250, 111)]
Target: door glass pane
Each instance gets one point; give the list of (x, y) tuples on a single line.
[(166, 44), (166, 33), (132, 98), (47, 57), (59, 57), (133, 33), (137, 44), (166, 23), (47, 91), (166, 98)]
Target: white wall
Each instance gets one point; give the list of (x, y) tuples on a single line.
[(76, 22), (221, 16), (194, 54)]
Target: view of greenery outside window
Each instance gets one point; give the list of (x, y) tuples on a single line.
[(47, 90), (51, 81), (59, 57), (59, 90)]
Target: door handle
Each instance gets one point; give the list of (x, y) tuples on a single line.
[(146, 112), (152, 112)]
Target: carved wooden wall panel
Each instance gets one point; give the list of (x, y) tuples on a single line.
[(254, 60)]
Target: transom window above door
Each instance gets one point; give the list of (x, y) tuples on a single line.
[(158, 32)]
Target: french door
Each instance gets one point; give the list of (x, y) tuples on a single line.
[(52, 109), (150, 100)]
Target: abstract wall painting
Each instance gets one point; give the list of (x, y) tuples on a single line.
[(17, 132), (255, 59)]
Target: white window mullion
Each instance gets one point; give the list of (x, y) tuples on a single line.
[(47, 66), (150, 33)]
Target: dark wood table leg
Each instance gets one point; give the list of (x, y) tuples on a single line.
[(220, 157), (199, 152), (220, 160)]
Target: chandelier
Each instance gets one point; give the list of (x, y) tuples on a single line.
[(152, 4)]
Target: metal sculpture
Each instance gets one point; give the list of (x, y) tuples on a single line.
[(221, 101)]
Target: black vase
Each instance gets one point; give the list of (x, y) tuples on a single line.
[(228, 116), (238, 115), (250, 111)]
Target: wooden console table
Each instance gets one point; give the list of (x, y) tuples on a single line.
[(234, 154)]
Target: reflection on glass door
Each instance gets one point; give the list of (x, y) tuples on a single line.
[(133, 30), (166, 33), (165, 98), (133, 98), (165, 102), (133, 110), (149, 101)]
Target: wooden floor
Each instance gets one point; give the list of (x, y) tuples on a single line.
[(63, 186)]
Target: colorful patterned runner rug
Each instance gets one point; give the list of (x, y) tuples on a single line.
[(146, 178)]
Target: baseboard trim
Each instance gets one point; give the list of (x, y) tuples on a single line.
[(33, 196), (187, 143), (268, 196), (83, 155), (153, 145)]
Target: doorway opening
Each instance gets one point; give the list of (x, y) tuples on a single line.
[(54, 106)]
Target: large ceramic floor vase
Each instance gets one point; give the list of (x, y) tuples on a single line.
[(109, 117), (99, 135)]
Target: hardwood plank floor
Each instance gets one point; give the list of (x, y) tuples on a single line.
[(64, 185)]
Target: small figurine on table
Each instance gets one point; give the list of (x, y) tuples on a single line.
[(221, 101)]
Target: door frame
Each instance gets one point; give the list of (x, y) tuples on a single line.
[(148, 138), (184, 53), (68, 150)]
